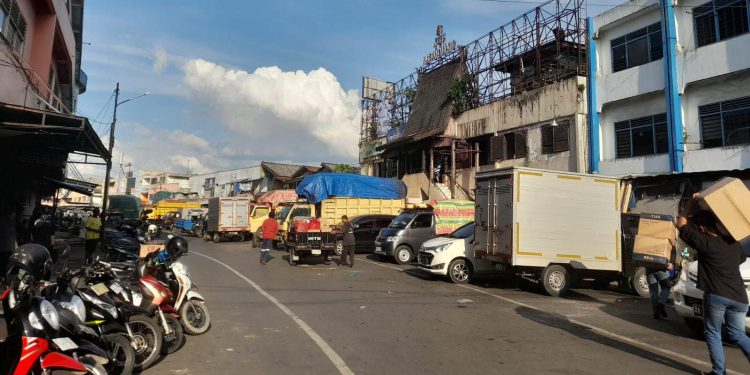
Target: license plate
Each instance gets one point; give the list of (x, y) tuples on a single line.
[(100, 289), (65, 344), (116, 288), (698, 310), (378, 249), (316, 252)]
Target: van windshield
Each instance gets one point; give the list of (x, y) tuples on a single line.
[(401, 221), (465, 231)]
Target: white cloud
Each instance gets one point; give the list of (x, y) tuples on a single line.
[(275, 114), (160, 59)]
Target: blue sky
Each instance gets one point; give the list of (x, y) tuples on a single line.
[(236, 82)]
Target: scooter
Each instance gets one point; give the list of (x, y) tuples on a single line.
[(23, 351)]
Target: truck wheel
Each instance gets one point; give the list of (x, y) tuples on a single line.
[(460, 271), (206, 237), (292, 262), (640, 282), (339, 248), (556, 280), (257, 238), (217, 238), (403, 254)]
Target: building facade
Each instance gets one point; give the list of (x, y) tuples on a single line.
[(147, 183), (515, 97), (671, 87)]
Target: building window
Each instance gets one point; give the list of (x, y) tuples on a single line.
[(556, 138), (725, 123), (12, 24), (719, 20), (637, 48), (510, 145), (641, 136)]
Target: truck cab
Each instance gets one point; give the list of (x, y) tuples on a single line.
[(402, 239), (286, 214)]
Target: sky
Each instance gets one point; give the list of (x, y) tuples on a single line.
[(235, 82)]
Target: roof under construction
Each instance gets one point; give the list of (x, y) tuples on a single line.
[(432, 106)]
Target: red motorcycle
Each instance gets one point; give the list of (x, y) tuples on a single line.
[(22, 353)]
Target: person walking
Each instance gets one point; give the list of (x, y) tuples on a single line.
[(93, 229), (269, 228), (724, 299), (348, 245), (659, 286)]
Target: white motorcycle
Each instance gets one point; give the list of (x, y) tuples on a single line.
[(190, 304)]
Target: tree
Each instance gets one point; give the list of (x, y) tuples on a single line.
[(343, 168)]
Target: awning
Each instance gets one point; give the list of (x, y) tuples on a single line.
[(82, 187), (54, 131)]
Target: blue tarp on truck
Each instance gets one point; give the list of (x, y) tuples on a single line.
[(320, 186)]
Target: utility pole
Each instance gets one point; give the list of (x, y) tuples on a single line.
[(105, 196)]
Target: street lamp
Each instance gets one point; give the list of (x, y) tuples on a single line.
[(105, 195)]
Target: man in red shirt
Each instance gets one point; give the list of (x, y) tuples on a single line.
[(269, 228)]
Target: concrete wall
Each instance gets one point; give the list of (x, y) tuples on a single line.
[(562, 100), (224, 177)]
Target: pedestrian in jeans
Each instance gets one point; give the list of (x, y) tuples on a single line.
[(659, 286), (269, 228), (348, 245), (724, 298), (93, 227)]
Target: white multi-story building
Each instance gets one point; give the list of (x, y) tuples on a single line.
[(679, 106), (148, 183)]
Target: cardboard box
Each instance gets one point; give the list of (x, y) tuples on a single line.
[(148, 249), (657, 226), (729, 199), (652, 251)]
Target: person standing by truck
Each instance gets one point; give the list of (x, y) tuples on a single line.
[(659, 286), (93, 228), (348, 244), (725, 298), (269, 228)]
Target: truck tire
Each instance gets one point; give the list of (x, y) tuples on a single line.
[(217, 238), (292, 262), (639, 282), (556, 280), (460, 271), (403, 254), (206, 236), (257, 239), (339, 248)]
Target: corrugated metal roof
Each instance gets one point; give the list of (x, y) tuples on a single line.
[(432, 108)]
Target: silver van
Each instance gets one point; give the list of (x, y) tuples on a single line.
[(403, 237)]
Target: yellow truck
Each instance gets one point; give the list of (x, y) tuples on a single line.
[(324, 241), (171, 205)]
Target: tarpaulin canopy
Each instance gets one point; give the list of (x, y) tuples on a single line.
[(275, 197), (320, 186), (452, 214)]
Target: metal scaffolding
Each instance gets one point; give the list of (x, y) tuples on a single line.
[(542, 46)]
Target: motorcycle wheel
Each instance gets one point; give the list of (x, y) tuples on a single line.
[(147, 341), (92, 366), (174, 341), (194, 317), (122, 355)]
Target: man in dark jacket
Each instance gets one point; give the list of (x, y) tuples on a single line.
[(724, 298), (348, 231)]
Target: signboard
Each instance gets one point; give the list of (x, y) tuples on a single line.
[(440, 47)]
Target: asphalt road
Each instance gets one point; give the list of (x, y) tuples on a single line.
[(380, 318)]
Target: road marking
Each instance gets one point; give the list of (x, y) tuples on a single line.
[(327, 350), (602, 331)]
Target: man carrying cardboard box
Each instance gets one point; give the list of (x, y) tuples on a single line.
[(724, 298)]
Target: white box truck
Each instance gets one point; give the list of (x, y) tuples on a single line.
[(550, 227), (227, 218)]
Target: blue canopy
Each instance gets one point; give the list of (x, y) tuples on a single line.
[(318, 187)]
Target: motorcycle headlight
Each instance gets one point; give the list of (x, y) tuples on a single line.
[(391, 239), (49, 313), (111, 310), (77, 307), (34, 321)]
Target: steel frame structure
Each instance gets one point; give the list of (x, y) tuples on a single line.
[(557, 26)]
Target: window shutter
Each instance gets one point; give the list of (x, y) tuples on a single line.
[(548, 141), (561, 137), (521, 145), (497, 148), (711, 131), (622, 139)]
